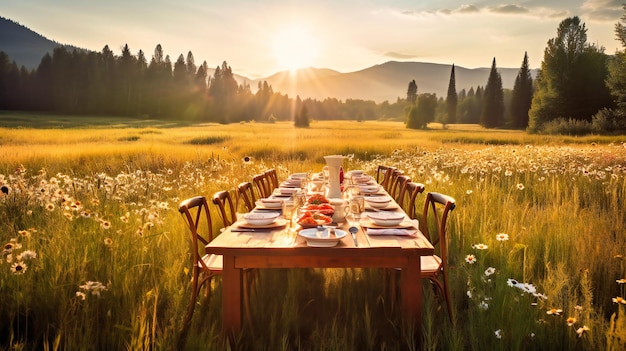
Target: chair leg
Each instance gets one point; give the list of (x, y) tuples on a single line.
[(182, 339), (444, 293)]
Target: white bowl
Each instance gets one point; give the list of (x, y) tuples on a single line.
[(369, 189), (298, 175), (271, 203), (378, 201), (323, 238), (356, 172), (386, 219), (260, 218), (288, 191)]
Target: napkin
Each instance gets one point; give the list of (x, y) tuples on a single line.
[(391, 231)]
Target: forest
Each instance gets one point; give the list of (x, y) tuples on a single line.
[(579, 90)]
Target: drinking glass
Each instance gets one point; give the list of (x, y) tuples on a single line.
[(299, 199), (288, 210), (357, 207)]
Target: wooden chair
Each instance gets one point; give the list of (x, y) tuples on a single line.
[(390, 181), (262, 185), (226, 207), (197, 217), (271, 179), (398, 187), (381, 172), (245, 193), (408, 196), (434, 226)]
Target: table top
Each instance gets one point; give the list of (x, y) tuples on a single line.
[(242, 239)]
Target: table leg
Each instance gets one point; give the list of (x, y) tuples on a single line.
[(231, 298), (411, 290)]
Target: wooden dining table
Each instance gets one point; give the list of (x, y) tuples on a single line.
[(282, 247)]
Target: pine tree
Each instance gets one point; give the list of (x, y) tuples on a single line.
[(452, 98), (493, 100), (522, 96), (411, 94)]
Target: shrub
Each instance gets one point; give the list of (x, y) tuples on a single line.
[(567, 127)]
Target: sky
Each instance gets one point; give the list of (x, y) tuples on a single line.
[(259, 38)]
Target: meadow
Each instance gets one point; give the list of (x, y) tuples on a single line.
[(96, 256)]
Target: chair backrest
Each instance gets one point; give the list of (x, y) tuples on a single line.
[(408, 197), (398, 186), (392, 179), (381, 173), (271, 179), (434, 221), (226, 207), (195, 212), (262, 184), (245, 193)]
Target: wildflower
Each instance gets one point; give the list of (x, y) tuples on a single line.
[(469, 294), (578, 308), (81, 295), (471, 259), (483, 305), (520, 186), (621, 281), (469, 192), (95, 288), (570, 321), (19, 268), (480, 246), (619, 300), (554, 311), (508, 173), (125, 217), (27, 255), (489, 271), (108, 242), (247, 159), (68, 215), (498, 334), (50, 206), (502, 237), (23, 233), (4, 189), (85, 214), (581, 330), (105, 224), (619, 257), (511, 282)]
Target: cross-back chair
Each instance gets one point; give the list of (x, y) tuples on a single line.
[(245, 193), (380, 173), (433, 225), (408, 197), (195, 212), (391, 181), (262, 184), (398, 187), (272, 179), (226, 207)]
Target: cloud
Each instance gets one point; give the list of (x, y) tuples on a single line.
[(603, 10), (400, 56), (467, 9), (508, 9)]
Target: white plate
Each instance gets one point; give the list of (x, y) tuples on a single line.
[(260, 218), (369, 189), (315, 241), (270, 203), (387, 219), (378, 201)]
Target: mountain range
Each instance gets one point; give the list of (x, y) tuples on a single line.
[(384, 82)]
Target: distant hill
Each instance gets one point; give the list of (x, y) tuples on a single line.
[(24, 46), (384, 82)]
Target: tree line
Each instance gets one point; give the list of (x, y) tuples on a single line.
[(579, 89), (100, 83)]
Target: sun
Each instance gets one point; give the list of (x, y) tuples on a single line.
[(294, 47)]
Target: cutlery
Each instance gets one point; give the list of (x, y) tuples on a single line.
[(353, 230), (243, 230)]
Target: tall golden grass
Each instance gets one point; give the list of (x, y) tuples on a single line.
[(91, 203)]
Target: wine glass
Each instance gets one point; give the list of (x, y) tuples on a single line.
[(357, 207)]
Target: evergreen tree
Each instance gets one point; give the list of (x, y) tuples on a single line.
[(452, 99), (616, 80), (522, 96), (572, 80), (411, 94), (423, 112), (493, 100)]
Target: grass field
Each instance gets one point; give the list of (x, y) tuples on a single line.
[(96, 256)]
